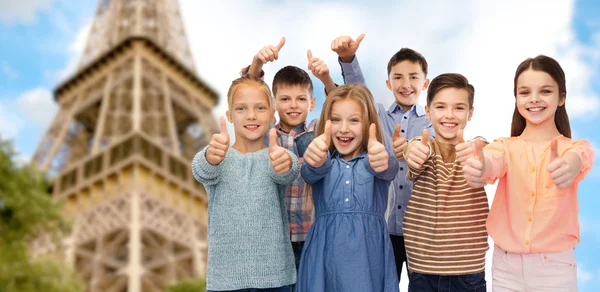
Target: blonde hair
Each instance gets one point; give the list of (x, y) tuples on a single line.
[(251, 82), (363, 97)]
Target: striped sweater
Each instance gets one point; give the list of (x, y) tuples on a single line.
[(444, 224)]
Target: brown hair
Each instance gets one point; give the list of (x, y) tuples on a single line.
[(450, 80), (360, 94), (552, 68), (406, 54), (291, 76), (248, 81)]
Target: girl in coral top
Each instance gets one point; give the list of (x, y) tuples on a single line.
[(533, 219)]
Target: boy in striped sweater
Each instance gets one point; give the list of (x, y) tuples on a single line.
[(444, 224)]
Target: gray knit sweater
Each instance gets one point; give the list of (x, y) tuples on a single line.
[(248, 236)]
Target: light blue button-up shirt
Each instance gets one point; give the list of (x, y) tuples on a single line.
[(412, 124)]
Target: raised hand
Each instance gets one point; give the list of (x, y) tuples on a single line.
[(561, 172), (280, 159), (474, 165), (318, 68), (316, 153), (418, 152), (378, 156), (346, 47), (218, 146), (269, 53), (399, 143)]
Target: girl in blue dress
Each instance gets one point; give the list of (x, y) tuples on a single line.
[(349, 170)]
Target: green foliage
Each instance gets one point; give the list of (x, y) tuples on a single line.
[(189, 285), (26, 211)]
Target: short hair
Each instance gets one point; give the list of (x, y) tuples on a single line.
[(406, 54), (450, 80), (290, 76)]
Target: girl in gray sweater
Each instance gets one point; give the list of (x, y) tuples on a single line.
[(248, 236)]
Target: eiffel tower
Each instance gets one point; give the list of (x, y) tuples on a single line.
[(119, 151)]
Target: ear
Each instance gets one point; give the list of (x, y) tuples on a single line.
[(313, 101), (228, 115), (562, 99), (388, 84), (470, 114), (427, 112), (426, 84)]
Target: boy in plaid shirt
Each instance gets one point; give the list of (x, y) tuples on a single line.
[(293, 91)]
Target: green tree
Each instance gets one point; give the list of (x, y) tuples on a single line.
[(189, 285), (26, 211)]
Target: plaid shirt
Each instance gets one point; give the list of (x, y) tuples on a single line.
[(299, 205)]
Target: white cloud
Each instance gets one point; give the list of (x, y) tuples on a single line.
[(10, 123), (74, 51), (37, 106), (22, 11)]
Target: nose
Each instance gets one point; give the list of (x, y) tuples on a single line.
[(294, 104), (406, 83), (344, 127), (251, 114), (534, 98)]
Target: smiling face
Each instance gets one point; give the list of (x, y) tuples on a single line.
[(250, 114), (293, 103), (407, 80), (347, 127), (449, 111), (537, 97)]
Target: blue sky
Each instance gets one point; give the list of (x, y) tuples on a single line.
[(41, 39)]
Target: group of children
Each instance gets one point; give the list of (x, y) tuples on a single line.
[(340, 203)]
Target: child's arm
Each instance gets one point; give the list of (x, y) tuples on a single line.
[(285, 166), (486, 164), (320, 70), (346, 49), (206, 164), (417, 153), (573, 165), (312, 174), (266, 54), (381, 163)]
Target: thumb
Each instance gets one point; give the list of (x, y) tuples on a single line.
[(460, 136), (396, 134), (553, 149), (309, 55), (280, 44), (223, 126), (327, 132), (359, 39), (372, 133), (425, 137), (272, 140), (479, 149)]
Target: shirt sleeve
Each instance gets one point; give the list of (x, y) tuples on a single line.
[(351, 72), (203, 171), (495, 156), (585, 151)]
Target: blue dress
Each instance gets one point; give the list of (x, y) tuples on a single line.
[(348, 247)]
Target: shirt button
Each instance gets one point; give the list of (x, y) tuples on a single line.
[(405, 118), (533, 169), (530, 219), (526, 242), (399, 207), (533, 194), (402, 131), (401, 168), (346, 200), (401, 187), (347, 166), (347, 182)]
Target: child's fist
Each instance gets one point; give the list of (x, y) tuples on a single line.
[(318, 68), (218, 146), (280, 159), (561, 172), (474, 165), (399, 143), (316, 153), (269, 53), (378, 156), (346, 47), (418, 152)]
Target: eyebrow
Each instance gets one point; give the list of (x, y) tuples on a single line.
[(410, 74), (526, 87)]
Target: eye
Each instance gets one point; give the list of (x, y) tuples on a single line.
[(546, 91), (439, 107), (524, 92), (414, 77), (355, 121), (240, 108), (460, 108), (262, 108), (397, 77), (302, 99), (335, 120), (284, 99)]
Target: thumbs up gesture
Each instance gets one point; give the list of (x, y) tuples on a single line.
[(474, 165), (217, 148), (316, 153), (317, 66), (399, 143), (560, 171), (280, 159), (378, 156), (269, 53), (346, 47), (464, 149), (418, 152)]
